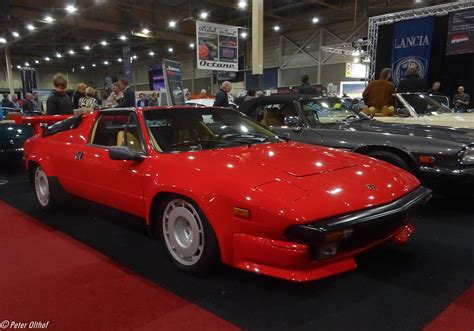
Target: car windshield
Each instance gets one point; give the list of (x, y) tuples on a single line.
[(424, 104), (193, 129), (329, 110)]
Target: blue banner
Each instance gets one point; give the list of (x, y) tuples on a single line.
[(411, 46)]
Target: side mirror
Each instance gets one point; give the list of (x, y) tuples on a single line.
[(124, 154), (291, 121)]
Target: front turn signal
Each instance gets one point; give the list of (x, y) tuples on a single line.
[(425, 159), (242, 212)]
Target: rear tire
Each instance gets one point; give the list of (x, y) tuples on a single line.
[(186, 235), (391, 158), (42, 187)]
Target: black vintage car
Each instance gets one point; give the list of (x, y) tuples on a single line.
[(441, 157)]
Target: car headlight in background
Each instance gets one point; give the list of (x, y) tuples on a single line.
[(467, 156)]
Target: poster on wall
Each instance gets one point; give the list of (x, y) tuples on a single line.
[(28, 80), (411, 46), (356, 70), (461, 33), (173, 83), (217, 46)]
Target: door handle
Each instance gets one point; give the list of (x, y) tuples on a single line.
[(79, 155)]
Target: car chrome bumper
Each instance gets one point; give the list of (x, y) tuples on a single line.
[(448, 180), (357, 230)]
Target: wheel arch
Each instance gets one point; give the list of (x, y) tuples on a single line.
[(405, 155)]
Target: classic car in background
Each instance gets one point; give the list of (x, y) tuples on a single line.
[(214, 185), (12, 138), (419, 108), (442, 158)]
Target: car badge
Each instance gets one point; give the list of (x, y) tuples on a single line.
[(371, 187), (12, 142)]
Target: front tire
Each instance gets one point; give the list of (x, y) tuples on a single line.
[(42, 187), (187, 236)]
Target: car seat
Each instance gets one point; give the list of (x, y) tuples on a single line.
[(270, 118), (132, 141)]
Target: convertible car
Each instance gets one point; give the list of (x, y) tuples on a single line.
[(442, 158), (419, 108), (214, 185)]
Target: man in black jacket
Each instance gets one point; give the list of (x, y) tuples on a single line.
[(28, 105), (59, 103), (306, 88), (222, 99), (6, 103), (412, 82), (128, 99)]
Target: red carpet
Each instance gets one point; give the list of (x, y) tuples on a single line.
[(47, 276), (459, 316)]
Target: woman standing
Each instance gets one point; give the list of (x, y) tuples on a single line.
[(89, 101)]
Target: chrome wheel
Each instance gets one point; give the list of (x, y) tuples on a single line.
[(183, 232), (42, 187)]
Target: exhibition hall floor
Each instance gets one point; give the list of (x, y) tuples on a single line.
[(89, 267)]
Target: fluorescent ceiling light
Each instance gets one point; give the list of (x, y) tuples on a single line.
[(104, 43), (15, 34), (49, 19), (145, 31), (244, 34), (172, 23), (276, 28), (71, 51), (30, 27), (70, 9), (123, 37), (191, 45), (170, 49), (315, 20), (203, 15), (151, 53), (47, 58), (3, 40), (242, 4)]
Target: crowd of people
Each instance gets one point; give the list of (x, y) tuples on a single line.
[(378, 94)]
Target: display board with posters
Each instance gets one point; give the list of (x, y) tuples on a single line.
[(217, 46), (173, 83), (461, 33), (356, 70)]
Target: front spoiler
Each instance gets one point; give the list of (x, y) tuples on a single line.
[(359, 229)]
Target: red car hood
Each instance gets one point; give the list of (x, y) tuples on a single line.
[(304, 182)]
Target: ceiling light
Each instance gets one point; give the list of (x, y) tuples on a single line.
[(71, 51), (71, 9), (170, 49), (119, 59), (172, 24), (37, 62), (151, 53), (244, 34), (276, 28), (82, 67), (315, 20), (47, 58), (3, 40), (18, 66), (15, 34), (106, 62), (203, 15), (134, 57), (87, 47), (30, 27), (123, 37), (145, 31), (242, 4), (93, 64), (27, 64), (104, 43), (58, 55), (191, 45), (49, 19)]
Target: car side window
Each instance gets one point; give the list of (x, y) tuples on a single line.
[(106, 129), (274, 114), (117, 130)]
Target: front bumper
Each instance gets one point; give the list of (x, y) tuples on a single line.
[(457, 181), (299, 258), (357, 230)]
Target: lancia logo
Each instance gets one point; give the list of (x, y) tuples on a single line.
[(371, 187)]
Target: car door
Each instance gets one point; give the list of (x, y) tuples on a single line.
[(114, 183)]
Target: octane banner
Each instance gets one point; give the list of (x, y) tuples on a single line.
[(173, 83), (217, 46), (411, 46)]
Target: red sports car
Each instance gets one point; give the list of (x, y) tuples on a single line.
[(214, 186)]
